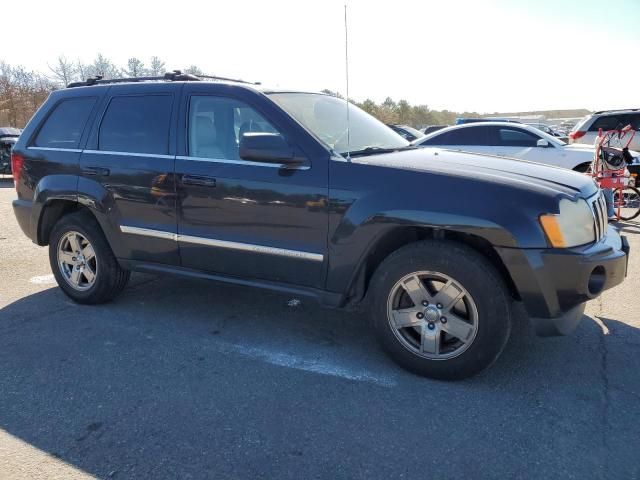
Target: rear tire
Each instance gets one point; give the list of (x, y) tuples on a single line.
[(440, 309), (82, 261)]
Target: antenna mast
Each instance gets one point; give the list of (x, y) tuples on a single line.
[(346, 62)]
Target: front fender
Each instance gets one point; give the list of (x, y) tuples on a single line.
[(355, 238), (369, 203)]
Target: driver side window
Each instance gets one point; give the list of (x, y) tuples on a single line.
[(512, 137), (216, 125)]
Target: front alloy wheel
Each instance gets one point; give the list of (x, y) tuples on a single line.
[(440, 309), (432, 315)]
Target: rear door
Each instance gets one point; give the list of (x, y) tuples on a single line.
[(245, 218), (129, 162)]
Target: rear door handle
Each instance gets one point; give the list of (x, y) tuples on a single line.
[(94, 171), (201, 180)]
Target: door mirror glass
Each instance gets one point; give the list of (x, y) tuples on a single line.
[(543, 143), (266, 147)]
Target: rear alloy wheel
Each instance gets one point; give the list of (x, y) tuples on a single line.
[(85, 268), (77, 261), (440, 309)]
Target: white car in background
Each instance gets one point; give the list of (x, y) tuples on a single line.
[(513, 140), (586, 130)]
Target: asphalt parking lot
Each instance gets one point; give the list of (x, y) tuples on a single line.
[(188, 379)]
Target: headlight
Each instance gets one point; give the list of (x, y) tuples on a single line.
[(573, 226)]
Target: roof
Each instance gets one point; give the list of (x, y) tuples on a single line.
[(175, 76), (523, 126), (621, 110)]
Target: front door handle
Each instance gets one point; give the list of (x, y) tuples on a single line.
[(201, 180), (96, 171)]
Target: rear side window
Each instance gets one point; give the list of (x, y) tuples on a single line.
[(463, 136), (136, 124), (64, 126), (610, 122)]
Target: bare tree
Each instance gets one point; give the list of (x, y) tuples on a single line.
[(21, 93), (103, 66), (157, 67), (82, 69), (135, 68), (64, 71), (193, 70)]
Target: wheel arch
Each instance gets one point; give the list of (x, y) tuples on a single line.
[(399, 237)]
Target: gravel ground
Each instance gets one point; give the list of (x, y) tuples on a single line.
[(185, 379)]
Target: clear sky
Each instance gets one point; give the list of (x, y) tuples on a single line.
[(484, 55)]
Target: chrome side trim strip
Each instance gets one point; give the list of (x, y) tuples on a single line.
[(54, 149), (130, 154), (247, 247), (241, 162), (148, 232)]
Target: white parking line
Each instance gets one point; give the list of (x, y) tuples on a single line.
[(321, 366), (43, 279)]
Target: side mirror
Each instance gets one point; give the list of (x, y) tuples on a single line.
[(543, 143), (267, 147)]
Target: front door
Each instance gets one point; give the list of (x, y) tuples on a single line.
[(244, 218)]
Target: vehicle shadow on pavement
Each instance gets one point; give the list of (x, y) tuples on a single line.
[(6, 182), (631, 226), (180, 377)]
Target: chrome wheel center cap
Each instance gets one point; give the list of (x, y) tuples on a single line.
[(431, 314)]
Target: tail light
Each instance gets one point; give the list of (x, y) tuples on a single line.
[(17, 162), (576, 135)]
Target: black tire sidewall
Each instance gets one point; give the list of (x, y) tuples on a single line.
[(476, 275), (107, 266)]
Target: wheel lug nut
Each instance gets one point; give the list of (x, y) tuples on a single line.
[(420, 315), (425, 303), (431, 326), (443, 319), (439, 305)]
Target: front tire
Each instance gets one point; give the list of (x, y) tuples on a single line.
[(82, 261), (440, 309), (627, 201)]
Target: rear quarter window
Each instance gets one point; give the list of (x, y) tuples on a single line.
[(63, 127), (136, 124), (610, 122)]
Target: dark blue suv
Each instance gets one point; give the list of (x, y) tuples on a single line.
[(275, 189)]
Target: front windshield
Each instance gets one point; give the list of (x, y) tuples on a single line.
[(550, 138), (326, 117)]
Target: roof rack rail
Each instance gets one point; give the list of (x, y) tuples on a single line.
[(617, 110), (174, 76), (225, 79)]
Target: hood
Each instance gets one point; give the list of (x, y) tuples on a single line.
[(489, 168)]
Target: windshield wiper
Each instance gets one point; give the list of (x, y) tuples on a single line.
[(376, 150)]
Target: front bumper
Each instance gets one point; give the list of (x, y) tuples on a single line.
[(555, 284)]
